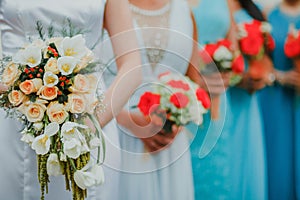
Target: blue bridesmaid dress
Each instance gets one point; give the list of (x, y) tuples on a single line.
[(210, 149), (281, 121), (248, 149)]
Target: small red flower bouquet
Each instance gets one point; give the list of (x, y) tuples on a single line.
[(255, 41), (176, 99), (225, 59), (292, 46)]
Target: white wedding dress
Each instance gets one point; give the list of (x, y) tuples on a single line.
[(18, 174), (165, 175)]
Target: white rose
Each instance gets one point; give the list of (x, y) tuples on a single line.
[(222, 53), (38, 126), (51, 66), (266, 27)]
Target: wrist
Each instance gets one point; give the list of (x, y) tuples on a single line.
[(279, 77)]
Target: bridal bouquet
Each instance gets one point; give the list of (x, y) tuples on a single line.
[(225, 59), (175, 99), (52, 90), (255, 42), (292, 46)]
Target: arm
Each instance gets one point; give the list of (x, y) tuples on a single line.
[(118, 23), (214, 83)]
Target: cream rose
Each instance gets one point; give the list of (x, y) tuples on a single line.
[(48, 93), (30, 86), (34, 111), (16, 97), (57, 112), (84, 61), (76, 103), (84, 84), (51, 66), (10, 74)]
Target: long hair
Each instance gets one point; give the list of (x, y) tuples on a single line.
[(252, 9)]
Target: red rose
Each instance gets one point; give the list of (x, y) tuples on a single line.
[(203, 97), (251, 45), (292, 46), (179, 84), (254, 41), (238, 64), (211, 48), (253, 28), (179, 100), (271, 43), (225, 42), (207, 52), (147, 101)]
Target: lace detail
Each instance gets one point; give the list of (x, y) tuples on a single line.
[(155, 40)]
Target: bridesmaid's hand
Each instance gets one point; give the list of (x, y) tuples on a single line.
[(215, 83), (289, 78), (250, 84)]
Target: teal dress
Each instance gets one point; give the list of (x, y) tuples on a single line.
[(248, 149), (210, 149), (281, 119)]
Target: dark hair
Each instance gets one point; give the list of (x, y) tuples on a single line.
[(252, 9)]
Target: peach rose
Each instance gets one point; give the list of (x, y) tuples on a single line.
[(48, 93), (30, 86), (16, 97), (76, 103), (34, 111), (84, 84), (51, 66), (11, 74), (57, 112)]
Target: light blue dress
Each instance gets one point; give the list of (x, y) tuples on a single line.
[(280, 118), (210, 149), (248, 149)]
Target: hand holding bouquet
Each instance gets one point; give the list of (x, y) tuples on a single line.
[(51, 89), (292, 46), (255, 42), (175, 99), (220, 56)]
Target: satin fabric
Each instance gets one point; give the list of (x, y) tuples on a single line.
[(18, 173)]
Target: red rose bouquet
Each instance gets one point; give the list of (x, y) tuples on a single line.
[(53, 92), (292, 46), (255, 41), (225, 59), (175, 99)]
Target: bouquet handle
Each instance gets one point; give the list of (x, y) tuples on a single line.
[(215, 107)]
